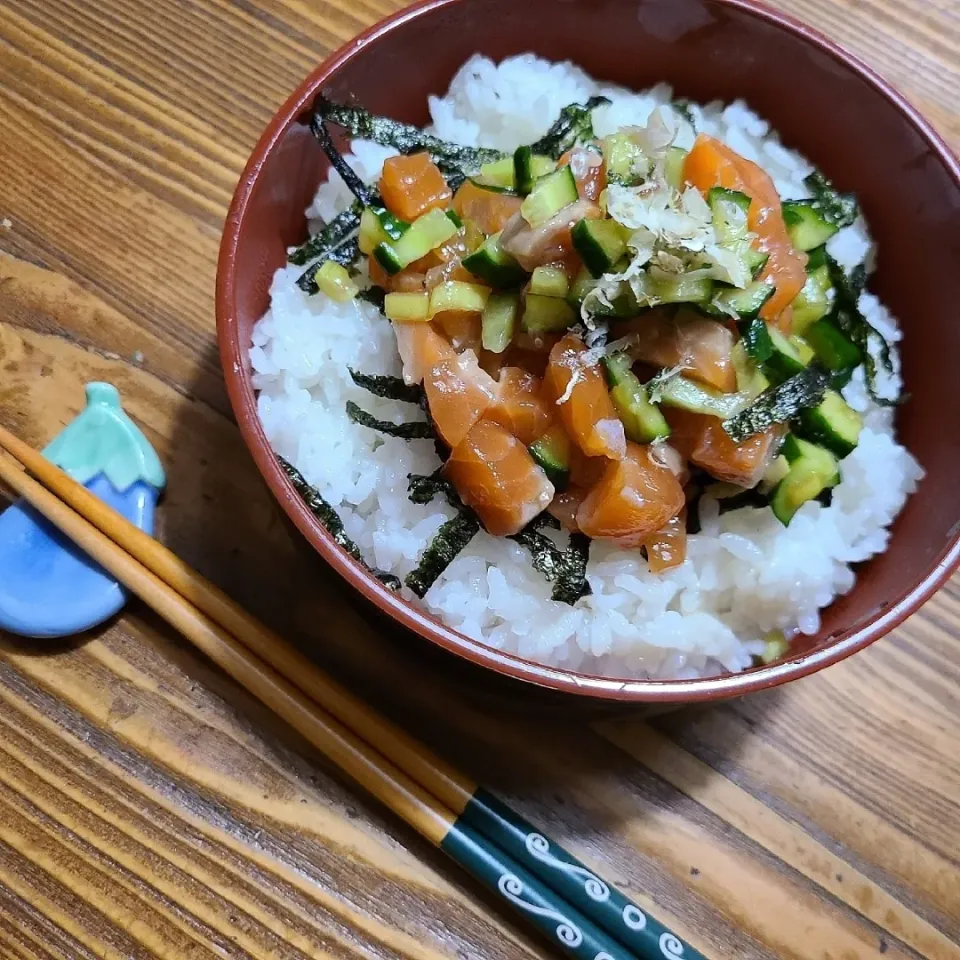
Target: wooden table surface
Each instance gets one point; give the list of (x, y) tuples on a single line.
[(149, 808)]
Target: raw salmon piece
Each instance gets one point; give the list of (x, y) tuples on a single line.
[(520, 406), (420, 348), (583, 402), (461, 328), (496, 476), (488, 210), (701, 347), (411, 186), (711, 163), (565, 506), (589, 170), (668, 546), (634, 498), (548, 241), (459, 393), (703, 441)]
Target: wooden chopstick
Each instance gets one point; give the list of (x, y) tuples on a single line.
[(436, 799)]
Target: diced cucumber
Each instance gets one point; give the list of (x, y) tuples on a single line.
[(499, 321), (673, 167), (492, 264), (460, 296), (680, 289), (745, 304), (806, 225), (785, 358), (529, 167), (426, 233), (813, 300), (816, 258), (778, 469), (750, 378), (552, 452), (335, 282), (813, 469), (407, 307), (755, 259), (546, 315), (582, 284), (687, 395), (499, 173), (755, 337), (600, 243), (550, 281), (642, 420), (549, 196), (729, 209), (378, 225), (833, 424), (833, 348), (626, 162)]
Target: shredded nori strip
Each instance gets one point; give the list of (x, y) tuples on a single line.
[(847, 316), (682, 106), (414, 430), (565, 569), (574, 125), (451, 158), (329, 237), (450, 539), (840, 209), (749, 498), (356, 186), (423, 489), (346, 255), (332, 522), (390, 388), (375, 295), (779, 404)]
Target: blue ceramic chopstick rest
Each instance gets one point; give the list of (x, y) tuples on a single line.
[(48, 587)]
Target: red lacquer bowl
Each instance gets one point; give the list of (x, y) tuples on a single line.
[(823, 101)]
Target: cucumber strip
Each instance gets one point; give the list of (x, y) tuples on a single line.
[(546, 315), (813, 300), (729, 209), (334, 281), (492, 264), (549, 281), (528, 168), (423, 235), (744, 304), (346, 255), (812, 470), (600, 243), (499, 321), (680, 289), (786, 359), (833, 348), (832, 423), (552, 452), (778, 404), (457, 295), (549, 196), (642, 420), (806, 225), (688, 395), (673, 167), (757, 341), (626, 162), (407, 307), (497, 174)]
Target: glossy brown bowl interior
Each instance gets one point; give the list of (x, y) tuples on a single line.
[(821, 100)]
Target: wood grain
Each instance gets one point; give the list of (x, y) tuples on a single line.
[(148, 808)]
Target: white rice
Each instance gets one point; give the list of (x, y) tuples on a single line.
[(745, 573)]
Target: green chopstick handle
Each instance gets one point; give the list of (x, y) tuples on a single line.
[(602, 904), (573, 934)]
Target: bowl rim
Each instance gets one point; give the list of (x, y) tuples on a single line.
[(243, 402)]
